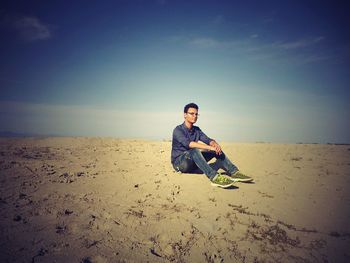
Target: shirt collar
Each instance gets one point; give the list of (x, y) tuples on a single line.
[(187, 129)]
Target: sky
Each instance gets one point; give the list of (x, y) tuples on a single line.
[(260, 71)]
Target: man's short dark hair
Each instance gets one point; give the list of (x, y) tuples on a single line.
[(190, 105)]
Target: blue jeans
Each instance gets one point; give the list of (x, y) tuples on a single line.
[(195, 161)]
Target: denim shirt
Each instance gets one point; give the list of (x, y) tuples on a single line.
[(182, 136)]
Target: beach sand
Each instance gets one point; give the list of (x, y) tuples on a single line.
[(110, 200)]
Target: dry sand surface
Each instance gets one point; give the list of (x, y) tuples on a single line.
[(110, 200)]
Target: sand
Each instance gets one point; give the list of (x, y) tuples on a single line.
[(111, 200)]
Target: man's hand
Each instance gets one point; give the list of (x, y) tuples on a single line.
[(216, 147), (213, 146)]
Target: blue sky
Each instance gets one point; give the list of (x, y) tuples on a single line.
[(259, 70)]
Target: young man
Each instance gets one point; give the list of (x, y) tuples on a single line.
[(188, 155)]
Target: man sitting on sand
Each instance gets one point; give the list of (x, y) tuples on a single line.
[(188, 155)]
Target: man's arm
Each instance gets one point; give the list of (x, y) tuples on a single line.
[(202, 146), (211, 143), (216, 146)]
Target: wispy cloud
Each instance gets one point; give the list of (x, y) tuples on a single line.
[(301, 50), (161, 2), (218, 20), (30, 28), (206, 43), (300, 43)]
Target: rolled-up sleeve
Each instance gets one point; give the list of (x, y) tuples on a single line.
[(203, 137), (181, 138)]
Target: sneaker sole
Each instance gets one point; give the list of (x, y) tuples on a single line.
[(222, 186), (242, 180)]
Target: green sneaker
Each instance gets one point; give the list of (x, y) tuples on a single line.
[(221, 181), (239, 177)]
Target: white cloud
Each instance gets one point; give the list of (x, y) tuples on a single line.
[(218, 20), (301, 43), (161, 2), (251, 44), (206, 43), (30, 28), (268, 20), (254, 48)]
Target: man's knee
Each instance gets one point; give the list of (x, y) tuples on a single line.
[(195, 151), (221, 156)]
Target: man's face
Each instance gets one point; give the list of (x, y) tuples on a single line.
[(191, 115)]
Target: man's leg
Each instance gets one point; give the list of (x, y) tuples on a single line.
[(184, 163), (222, 161), (192, 159)]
